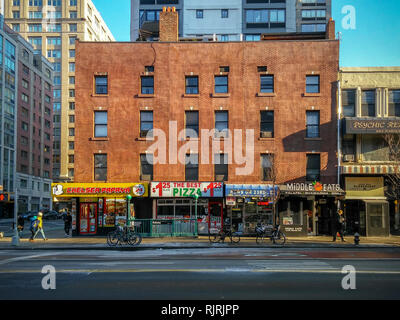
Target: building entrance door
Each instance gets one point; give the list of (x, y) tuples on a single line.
[(215, 215), (88, 218)]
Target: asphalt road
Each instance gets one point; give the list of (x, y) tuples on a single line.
[(201, 274)]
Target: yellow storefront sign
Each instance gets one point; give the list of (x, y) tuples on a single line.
[(364, 187), (98, 190)]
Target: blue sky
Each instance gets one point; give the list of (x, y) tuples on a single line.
[(375, 41)]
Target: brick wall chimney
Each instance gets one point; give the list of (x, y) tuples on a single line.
[(330, 30), (169, 25)]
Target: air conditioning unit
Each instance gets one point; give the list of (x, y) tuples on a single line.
[(348, 158), (266, 134), (145, 177), (219, 177)]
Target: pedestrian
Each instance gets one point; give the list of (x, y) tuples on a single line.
[(33, 227), (338, 225), (67, 223), (20, 226), (40, 227)]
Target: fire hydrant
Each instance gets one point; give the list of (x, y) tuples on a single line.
[(356, 238)]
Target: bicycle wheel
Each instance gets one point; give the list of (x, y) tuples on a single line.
[(134, 239), (235, 237), (214, 237), (112, 238), (260, 238), (280, 238)]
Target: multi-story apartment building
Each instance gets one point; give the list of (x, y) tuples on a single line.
[(369, 153), (27, 119), (220, 124), (52, 26), (233, 20)]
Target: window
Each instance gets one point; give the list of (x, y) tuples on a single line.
[(319, 27), (101, 83), (16, 27), (72, 41), (221, 123), (55, 3), (349, 103), (24, 98), (147, 85), (267, 83), (348, 145), (252, 37), (57, 66), (53, 53), (267, 124), (394, 103), (267, 165), (220, 167), (312, 84), (72, 106), (72, 67), (192, 124), (368, 103), (73, 27), (71, 132), (54, 27), (199, 14), (15, 14), (100, 124), (71, 119), (73, 14), (35, 28), (71, 158), (146, 167), (192, 167), (146, 123), (71, 145), (71, 80), (72, 53), (100, 167), (57, 106), (35, 3), (149, 69), (192, 84), (223, 37), (374, 148), (224, 13), (221, 84), (57, 80), (72, 93), (312, 124), (54, 40), (313, 167), (313, 14), (72, 3)]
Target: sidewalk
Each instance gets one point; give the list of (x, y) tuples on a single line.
[(99, 243)]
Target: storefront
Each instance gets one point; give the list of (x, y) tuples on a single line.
[(177, 200), (248, 204), (98, 207), (366, 207), (308, 208)]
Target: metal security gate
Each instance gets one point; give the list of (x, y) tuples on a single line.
[(165, 227)]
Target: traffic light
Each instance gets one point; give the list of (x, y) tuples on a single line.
[(4, 197)]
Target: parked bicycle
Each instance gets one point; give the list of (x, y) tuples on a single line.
[(267, 231), (220, 235), (123, 235)]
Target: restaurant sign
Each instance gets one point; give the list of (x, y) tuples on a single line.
[(97, 190), (186, 189), (251, 190), (358, 125), (315, 188)]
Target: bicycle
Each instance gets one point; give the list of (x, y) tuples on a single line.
[(123, 235), (222, 234), (267, 231)]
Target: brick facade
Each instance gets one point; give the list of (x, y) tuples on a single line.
[(124, 63)]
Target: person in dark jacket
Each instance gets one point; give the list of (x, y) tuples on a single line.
[(67, 223), (338, 225), (21, 224)]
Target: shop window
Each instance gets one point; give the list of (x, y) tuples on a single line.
[(146, 123), (290, 212), (100, 167), (312, 124), (192, 124), (192, 167), (146, 167), (313, 167), (368, 103), (349, 103), (221, 167), (267, 124)]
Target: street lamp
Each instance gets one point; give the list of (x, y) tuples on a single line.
[(128, 214), (196, 198)]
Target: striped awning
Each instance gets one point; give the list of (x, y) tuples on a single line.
[(370, 169)]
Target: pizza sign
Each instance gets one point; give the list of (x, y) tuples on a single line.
[(186, 189)]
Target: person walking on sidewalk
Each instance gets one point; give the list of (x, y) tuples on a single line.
[(338, 225), (20, 225), (40, 227), (33, 227), (67, 223)]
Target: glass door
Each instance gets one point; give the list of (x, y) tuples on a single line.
[(215, 216), (88, 218)]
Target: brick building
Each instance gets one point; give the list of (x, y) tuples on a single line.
[(283, 91)]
